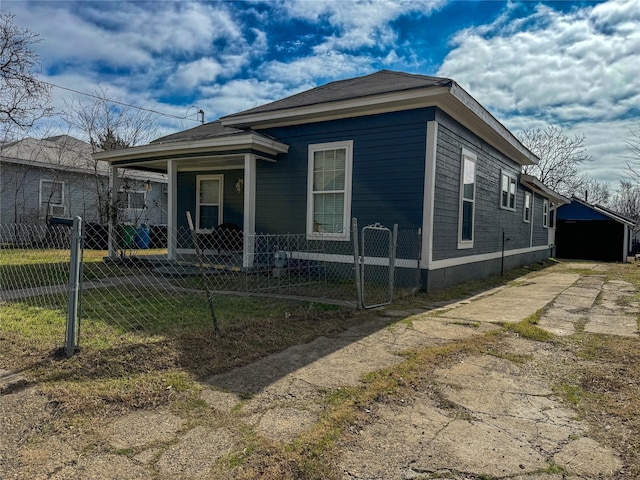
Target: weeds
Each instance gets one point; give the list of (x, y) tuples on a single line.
[(528, 329)]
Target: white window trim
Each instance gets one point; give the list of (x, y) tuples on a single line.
[(220, 200), (512, 181), (469, 155), (132, 214), (348, 146), (524, 207), (127, 192), (545, 213), (51, 206)]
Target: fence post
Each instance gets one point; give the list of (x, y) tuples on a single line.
[(71, 340), (356, 261), (393, 245)]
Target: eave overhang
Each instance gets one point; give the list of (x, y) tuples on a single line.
[(537, 186), (453, 100), (222, 148)]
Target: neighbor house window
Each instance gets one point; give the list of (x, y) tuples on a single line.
[(135, 200), (527, 207), (209, 190), (508, 192), (329, 190), (52, 197), (467, 199), (131, 204), (545, 214)]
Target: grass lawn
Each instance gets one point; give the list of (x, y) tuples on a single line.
[(123, 366)]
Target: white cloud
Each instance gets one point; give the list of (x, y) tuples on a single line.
[(203, 70), (357, 24), (606, 143), (308, 69), (560, 59), (242, 94), (578, 70), (120, 34)]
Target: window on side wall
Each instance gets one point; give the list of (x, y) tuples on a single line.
[(527, 207), (545, 214), (329, 190), (52, 197), (467, 199), (507, 191)]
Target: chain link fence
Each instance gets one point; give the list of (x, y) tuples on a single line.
[(155, 282)]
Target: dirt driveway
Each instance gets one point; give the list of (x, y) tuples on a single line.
[(492, 413)]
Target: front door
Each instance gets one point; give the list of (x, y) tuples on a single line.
[(209, 197)]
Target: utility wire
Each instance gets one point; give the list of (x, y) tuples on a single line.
[(200, 112)]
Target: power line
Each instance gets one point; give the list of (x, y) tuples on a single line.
[(199, 112)]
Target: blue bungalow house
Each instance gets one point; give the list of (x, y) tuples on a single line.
[(389, 148)]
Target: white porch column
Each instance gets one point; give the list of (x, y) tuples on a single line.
[(172, 209), (249, 224), (112, 199), (429, 195)]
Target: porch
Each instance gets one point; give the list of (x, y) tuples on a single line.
[(211, 172)]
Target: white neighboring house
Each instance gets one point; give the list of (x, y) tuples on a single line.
[(56, 177)]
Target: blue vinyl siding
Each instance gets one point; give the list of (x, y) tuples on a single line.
[(490, 220), (232, 200), (540, 233), (388, 171)]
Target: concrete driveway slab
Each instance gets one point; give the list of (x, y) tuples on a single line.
[(515, 303)]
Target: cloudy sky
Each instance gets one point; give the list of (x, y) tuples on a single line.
[(571, 64)]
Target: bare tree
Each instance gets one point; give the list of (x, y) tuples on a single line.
[(23, 98), (627, 200), (561, 158), (107, 124), (633, 145), (596, 192)]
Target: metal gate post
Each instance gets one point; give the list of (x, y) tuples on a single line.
[(71, 336), (356, 261), (393, 244)]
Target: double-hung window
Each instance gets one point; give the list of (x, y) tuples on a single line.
[(209, 194), (467, 199), (135, 200), (329, 190), (527, 207), (52, 197), (131, 204), (545, 214), (507, 192)]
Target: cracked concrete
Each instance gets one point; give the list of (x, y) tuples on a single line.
[(511, 426), (485, 416), (595, 306)]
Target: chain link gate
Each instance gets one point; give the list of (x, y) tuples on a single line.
[(375, 256)]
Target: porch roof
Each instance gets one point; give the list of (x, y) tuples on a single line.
[(537, 186), (205, 146)]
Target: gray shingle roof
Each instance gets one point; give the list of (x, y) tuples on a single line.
[(201, 132), (384, 81)]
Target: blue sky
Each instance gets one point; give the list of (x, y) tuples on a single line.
[(531, 64)]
